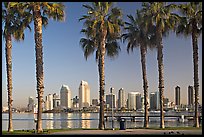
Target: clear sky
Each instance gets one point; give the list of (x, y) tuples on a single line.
[(64, 62)]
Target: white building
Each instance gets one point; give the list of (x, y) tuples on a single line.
[(65, 97), (121, 98), (49, 102), (56, 100), (134, 100), (84, 94)]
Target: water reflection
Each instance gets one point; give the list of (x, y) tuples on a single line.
[(78, 120), (84, 123), (65, 122), (49, 122)]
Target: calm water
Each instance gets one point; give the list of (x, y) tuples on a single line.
[(79, 120)]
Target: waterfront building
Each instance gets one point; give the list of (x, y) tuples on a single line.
[(30, 104), (154, 100), (109, 100), (49, 102), (56, 100), (134, 100), (190, 96), (177, 95), (94, 102), (121, 98), (75, 102), (84, 94), (65, 97)]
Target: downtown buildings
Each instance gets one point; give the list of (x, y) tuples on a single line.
[(84, 95), (154, 101), (65, 97), (121, 98), (177, 95), (190, 96), (133, 102)]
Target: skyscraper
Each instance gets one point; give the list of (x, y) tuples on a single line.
[(177, 95), (56, 100), (154, 100), (49, 102), (30, 103), (84, 94), (65, 97), (121, 98), (109, 100), (190, 95), (134, 100)]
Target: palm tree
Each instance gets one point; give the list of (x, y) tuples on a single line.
[(41, 11), (139, 36), (159, 14), (191, 24), (102, 30), (14, 25)]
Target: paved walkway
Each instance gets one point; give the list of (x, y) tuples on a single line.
[(130, 132)]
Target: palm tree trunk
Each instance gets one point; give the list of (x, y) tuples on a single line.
[(161, 76), (102, 89), (102, 77), (196, 80), (145, 85), (39, 63), (9, 79)]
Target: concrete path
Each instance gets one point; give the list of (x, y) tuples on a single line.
[(130, 132)]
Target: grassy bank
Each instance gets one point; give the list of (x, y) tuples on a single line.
[(170, 128), (48, 131)]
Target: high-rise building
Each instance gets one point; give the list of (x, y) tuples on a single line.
[(30, 103), (56, 100), (177, 95), (94, 102), (75, 102), (109, 100), (154, 100), (84, 94), (134, 100), (65, 97), (121, 98), (190, 96), (49, 102)]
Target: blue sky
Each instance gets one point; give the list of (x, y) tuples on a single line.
[(64, 62)]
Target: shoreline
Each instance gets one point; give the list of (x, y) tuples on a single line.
[(136, 131)]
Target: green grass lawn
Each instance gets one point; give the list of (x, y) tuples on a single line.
[(170, 128), (48, 131)]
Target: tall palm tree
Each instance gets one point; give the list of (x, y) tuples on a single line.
[(191, 24), (14, 23), (41, 11), (102, 26), (140, 36), (160, 15)]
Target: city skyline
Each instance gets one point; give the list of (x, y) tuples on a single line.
[(64, 62)]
